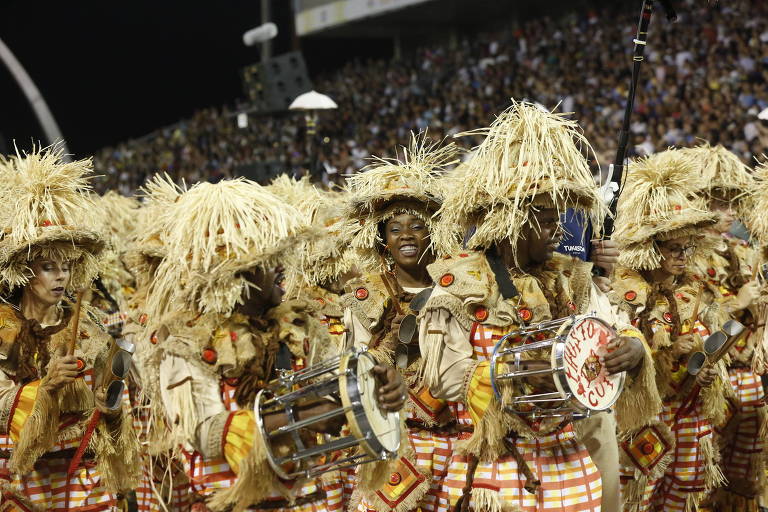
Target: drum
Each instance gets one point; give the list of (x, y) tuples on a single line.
[(571, 349), (295, 450)]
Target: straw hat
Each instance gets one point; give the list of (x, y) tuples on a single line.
[(211, 234), (724, 175), (389, 187), (529, 158), (44, 210), (327, 257), (658, 203), (757, 218)]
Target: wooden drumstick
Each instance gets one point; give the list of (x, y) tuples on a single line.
[(75, 323), (696, 305)]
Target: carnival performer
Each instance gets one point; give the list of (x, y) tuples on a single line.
[(729, 274), (506, 204), (62, 447), (671, 463), (163, 479), (324, 265), (215, 307), (389, 217)]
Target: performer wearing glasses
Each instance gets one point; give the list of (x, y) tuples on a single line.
[(671, 463)]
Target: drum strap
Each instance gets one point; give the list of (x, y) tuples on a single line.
[(532, 483), (507, 288)]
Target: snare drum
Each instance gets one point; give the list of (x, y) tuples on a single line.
[(572, 346), (294, 451)]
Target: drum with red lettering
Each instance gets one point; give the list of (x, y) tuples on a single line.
[(568, 351)]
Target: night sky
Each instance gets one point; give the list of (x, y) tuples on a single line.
[(115, 70)]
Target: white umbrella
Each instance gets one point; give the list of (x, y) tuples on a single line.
[(312, 100)]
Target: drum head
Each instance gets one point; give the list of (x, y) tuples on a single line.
[(584, 377), (379, 430)]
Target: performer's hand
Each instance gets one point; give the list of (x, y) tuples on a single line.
[(542, 383), (625, 353), (61, 371), (748, 295), (330, 426), (603, 283), (392, 392), (605, 254), (706, 377), (682, 346), (100, 397)]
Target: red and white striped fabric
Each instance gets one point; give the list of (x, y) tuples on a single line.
[(685, 476), (570, 481), (742, 440)]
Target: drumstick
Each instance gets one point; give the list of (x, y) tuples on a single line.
[(75, 323), (696, 305)]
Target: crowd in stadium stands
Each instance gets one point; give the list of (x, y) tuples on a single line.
[(705, 77)]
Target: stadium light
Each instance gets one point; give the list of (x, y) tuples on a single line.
[(260, 34)]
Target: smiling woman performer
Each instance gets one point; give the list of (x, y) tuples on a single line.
[(48, 395), (506, 203), (390, 211), (669, 464)]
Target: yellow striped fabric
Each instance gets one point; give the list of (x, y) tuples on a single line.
[(22, 408), (238, 438), (479, 392)]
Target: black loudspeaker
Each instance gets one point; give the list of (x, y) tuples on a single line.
[(271, 86)]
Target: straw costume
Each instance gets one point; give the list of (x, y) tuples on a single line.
[(52, 455), (375, 305), (529, 159), (323, 262), (210, 359), (727, 268), (673, 461)]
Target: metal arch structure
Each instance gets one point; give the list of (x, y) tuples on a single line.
[(36, 100)]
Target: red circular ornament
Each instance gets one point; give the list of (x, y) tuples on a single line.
[(210, 356), (395, 478), (463, 255), (711, 272), (525, 314), (630, 295), (647, 448), (80, 364), (233, 336), (153, 338), (678, 207), (143, 319), (361, 294), (446, 280), (668, 317), (481, 313)]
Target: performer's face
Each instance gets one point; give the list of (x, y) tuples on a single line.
[(727, 216), (675, 254), (542, 240), (407, 239), (50, 280), (267, 292)]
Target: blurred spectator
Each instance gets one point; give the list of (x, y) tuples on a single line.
[(705, 77)]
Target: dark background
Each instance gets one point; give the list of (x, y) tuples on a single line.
[(113, 71)]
